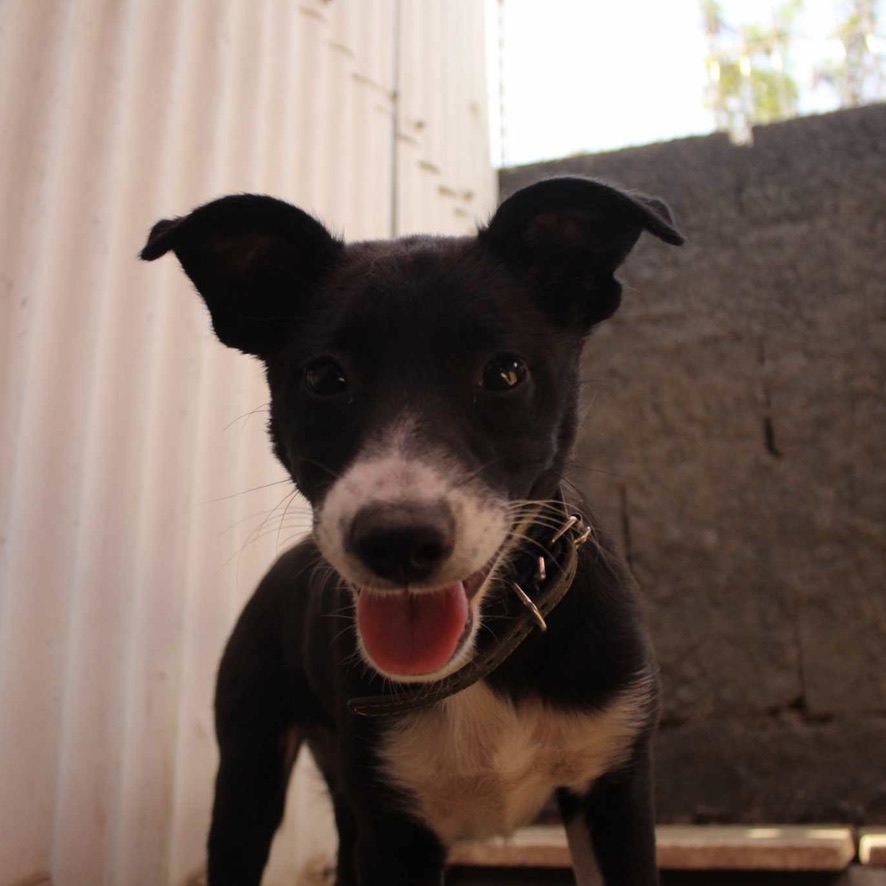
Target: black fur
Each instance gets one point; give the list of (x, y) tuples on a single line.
[(411, 323)]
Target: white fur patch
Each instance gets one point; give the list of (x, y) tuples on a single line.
[(478, 765)]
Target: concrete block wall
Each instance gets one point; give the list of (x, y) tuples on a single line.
[(735, 443)]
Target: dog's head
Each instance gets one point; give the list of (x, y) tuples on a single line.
[(423, 390)]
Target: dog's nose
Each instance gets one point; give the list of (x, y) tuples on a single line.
[(402, 542)]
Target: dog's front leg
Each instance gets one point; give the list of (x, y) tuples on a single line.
[(250, 795), (258, 740), (611, 829), (391, 847), (378, 847)]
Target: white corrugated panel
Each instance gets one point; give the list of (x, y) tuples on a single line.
[(443, 185), (139, 503)]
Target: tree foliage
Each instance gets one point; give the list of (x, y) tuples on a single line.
[(750, 77), (748, 71)]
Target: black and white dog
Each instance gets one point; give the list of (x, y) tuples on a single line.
[(455, 641)]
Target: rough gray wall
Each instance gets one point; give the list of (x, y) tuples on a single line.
[(735, 438)]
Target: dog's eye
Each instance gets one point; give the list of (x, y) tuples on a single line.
[(325, 378), (503, 373)]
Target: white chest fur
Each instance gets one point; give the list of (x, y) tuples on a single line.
[(478, 765)]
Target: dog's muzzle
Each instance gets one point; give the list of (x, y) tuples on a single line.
[(539, 580)]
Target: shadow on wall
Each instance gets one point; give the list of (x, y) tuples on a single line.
[(734, 438)]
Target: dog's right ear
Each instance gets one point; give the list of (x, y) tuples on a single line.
[(255, 261), (568, 236)]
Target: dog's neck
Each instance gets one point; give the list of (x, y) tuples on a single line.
[(540, 580)]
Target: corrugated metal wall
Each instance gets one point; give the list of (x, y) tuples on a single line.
[(138, 501)]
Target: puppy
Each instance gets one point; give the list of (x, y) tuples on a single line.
[(455, 641)]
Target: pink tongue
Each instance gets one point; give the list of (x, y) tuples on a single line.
[(408, 633)]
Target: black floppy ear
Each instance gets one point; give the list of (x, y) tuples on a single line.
[(254, 260), (569, 235)]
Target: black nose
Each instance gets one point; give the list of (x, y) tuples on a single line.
[(402, 542)]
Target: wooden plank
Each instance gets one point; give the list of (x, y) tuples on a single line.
[(872, 847), (733, 847), (536, 846), (770, 848)]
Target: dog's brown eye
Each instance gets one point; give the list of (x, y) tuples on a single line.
[(503, 373), (325, 378)]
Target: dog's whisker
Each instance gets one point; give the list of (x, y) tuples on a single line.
[(210, 501), (549, 522), (525, 539), (303, 459), (343, 613), (593, 470), (265, 407), (294, 518), (284, 502), (256, 536), (300, 531), (287, 498), (351, 657), (283, 521), (255, 515)]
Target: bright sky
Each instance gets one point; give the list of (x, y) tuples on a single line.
[(584, 75)]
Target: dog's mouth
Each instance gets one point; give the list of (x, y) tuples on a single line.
[(414, 633)]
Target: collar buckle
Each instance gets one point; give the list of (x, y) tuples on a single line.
[(579, 532)]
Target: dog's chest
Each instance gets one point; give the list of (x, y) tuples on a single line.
[(477, 765)]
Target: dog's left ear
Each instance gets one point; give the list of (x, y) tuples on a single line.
[(569, 235), (254, 259)]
